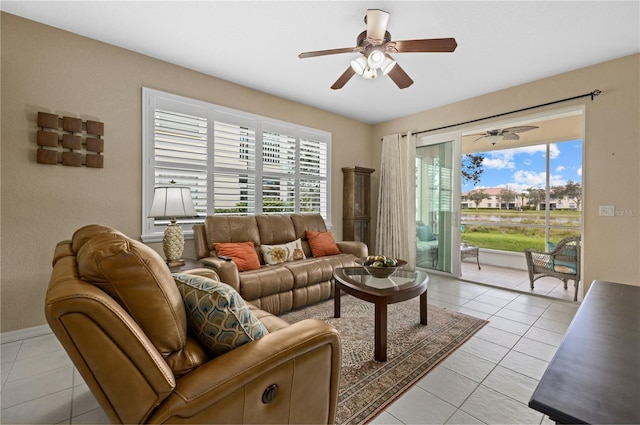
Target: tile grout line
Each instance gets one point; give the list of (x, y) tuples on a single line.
[(502, 358)]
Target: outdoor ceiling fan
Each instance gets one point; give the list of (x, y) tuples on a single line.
[(510, 133), (375, 45)]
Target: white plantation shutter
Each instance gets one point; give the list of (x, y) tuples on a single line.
[(278, 173), (180, 155), (235, 163), (278, 153), (313, 176)]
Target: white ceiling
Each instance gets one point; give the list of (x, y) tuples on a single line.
[(255, 44)]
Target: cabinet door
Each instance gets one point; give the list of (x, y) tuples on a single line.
[(361, 195), (361, 231)]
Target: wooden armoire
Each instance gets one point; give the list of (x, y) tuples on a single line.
[(356, 204)]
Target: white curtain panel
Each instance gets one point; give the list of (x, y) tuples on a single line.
[(395, 233)]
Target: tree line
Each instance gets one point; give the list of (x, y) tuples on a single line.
[(533, 195)]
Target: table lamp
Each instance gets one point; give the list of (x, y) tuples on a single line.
[(172, 202)]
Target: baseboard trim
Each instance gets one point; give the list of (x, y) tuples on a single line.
[(20, 334)]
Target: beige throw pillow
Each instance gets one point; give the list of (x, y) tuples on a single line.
[(276, 254)]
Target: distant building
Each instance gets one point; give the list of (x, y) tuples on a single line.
[(520, 201)]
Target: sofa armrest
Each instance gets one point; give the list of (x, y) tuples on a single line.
[(226, 270), (357, 248), (208, 273), (200, 240), (303, 360)]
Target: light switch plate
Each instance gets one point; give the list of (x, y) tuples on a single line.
[(607, 211)]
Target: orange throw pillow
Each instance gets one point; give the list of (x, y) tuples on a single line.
[(242, 253), (321, 243)]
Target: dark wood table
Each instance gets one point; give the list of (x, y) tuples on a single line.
[(594, 376), (189, 264), (401, 286)]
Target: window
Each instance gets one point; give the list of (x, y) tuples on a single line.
[(235, 163)]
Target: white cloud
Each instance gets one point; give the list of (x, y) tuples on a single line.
[(526, 179), (556, 180), (499, 163), (530, 178), (554, 152), (518, 188), (579, 172), (504, 159)]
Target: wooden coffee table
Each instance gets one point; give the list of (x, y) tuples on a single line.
[(401, 286)]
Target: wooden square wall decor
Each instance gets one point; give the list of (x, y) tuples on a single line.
[(69, 141)]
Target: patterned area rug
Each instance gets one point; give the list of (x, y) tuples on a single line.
[(367, 386)]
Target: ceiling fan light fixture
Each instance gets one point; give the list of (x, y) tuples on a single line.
[(373, 44), (387, 65), (493, 139), (370, 73), (359, 65), (376, 59)]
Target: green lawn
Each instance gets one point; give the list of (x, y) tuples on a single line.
[(516, 239), (524, 213), (504, 242), (512, 240)]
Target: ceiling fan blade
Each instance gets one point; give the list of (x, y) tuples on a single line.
[(400, 77), (342, 80), (511, 136), (479, 138), (426, 45), (520, 129), (327, 52), (377, 21)]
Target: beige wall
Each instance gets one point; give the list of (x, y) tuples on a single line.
[(611, 170), (45, 69)]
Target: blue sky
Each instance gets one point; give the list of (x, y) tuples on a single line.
[(522, 168)]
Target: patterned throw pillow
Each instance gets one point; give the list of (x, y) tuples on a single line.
[(216, 314), (276, 254), (564, 269)]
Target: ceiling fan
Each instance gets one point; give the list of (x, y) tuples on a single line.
[(509, 133), (375, 45)]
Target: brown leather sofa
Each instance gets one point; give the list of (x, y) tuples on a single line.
[(275, 288), (116, 309)]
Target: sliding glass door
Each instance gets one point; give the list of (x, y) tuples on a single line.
[(437, 203)]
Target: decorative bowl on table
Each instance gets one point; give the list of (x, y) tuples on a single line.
[(380, 266)]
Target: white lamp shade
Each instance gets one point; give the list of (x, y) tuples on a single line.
[(376, 59), (387, 65), (172, 201), (359, 65)]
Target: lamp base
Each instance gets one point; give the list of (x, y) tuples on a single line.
[(173, 242), (175, 263)]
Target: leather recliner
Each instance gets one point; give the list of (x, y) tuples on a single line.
[(114, 306)]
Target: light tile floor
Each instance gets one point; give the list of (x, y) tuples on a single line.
[(487, 380)]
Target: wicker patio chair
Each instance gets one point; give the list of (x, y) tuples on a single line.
[(563, 263)]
